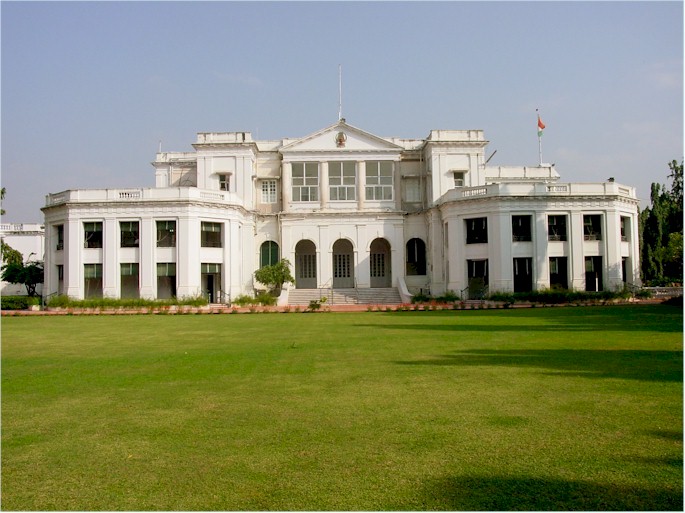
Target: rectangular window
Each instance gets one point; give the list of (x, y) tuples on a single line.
[(224, 182), (92, 281), (593, 274), (412, 190), (210, 236), (459, 177), (166, 280), (129, 234), (558, 272), (556, 228), (592, 227), (59, 234), (379, 180), (60, 279), (625, 228), (269, 191), (523, 274), (305, 181), (521, 228), (476, 230), (92, 235), (342, 181), (166, 234), (129, 281)]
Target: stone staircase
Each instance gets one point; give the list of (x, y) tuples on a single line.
[(375, 296)]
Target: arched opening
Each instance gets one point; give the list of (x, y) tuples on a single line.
[(416, 257), (268, 254), (379, 263), (305, 265), (343, 264)]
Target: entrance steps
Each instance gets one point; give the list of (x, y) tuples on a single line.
[(373, 296)]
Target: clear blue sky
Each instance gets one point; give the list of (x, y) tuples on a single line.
[(89, 89)]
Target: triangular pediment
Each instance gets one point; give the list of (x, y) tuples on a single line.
[(340, 137)]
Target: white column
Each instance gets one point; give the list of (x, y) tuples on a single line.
[(110, 259), (188, 263), (73, 259), (500, 256), (397, 185), (286, 185), (540, 251), (323, 185), (577, 257), (146, 265), (612, 250), (361, 182)]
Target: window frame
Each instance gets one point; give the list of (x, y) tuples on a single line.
[(592, 227), (129, 238), (170, 232), (305, 188), (269, 192), (557, 231), (379, 184), (340, 171), (225, 182), (211, 241), (475, 235), (521, 231), (93, 237)]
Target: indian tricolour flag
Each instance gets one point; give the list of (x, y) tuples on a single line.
[(541, 126)]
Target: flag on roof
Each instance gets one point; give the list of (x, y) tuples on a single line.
[(541, 126)]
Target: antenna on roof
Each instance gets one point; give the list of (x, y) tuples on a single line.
[(340, 92), (160, 146)]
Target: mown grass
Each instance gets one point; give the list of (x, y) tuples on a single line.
[(544, 409)]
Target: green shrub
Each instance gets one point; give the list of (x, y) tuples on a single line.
[(19, 302), (244, 300), (420, 298), (112, 303), (265, 299)]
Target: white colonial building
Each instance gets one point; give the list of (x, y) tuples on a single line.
[(29, 240), (351, 211)]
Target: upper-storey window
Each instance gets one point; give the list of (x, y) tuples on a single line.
[(379, 180), (225, 182), (521, 228), (305, 181), (60, 236), (269, 191), (459, 178), (210, 235), (129, 234), (556, 228), (342, 181), (625, 228), (592, 227), (476, 230), (92, 235), (166, 234)]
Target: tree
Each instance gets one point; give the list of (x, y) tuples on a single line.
[(661, 231), (29, 274), (274, 276), (9, 254)]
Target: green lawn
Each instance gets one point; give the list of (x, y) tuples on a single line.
[(544, 409)]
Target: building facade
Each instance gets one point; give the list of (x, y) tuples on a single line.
[(29, 240), (349, 210)]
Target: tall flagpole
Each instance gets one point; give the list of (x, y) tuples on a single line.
[(541, 127), (339, 92)]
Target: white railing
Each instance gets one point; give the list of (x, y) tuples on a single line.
[(144, 194)]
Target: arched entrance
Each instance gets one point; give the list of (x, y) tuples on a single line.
[(343, 264), (379, 262), (305, 265)]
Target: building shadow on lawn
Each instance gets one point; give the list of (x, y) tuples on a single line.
[(466, 493), (666, 366)]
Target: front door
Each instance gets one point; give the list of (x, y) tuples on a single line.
[(379, 261), (305, 265), (343, 266)]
